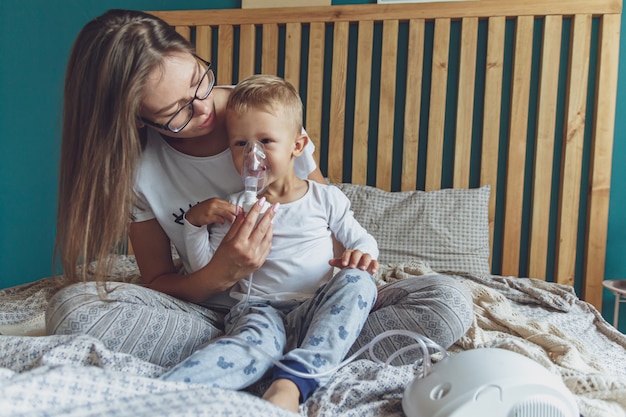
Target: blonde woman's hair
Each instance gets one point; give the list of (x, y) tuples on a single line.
[(107, 71), (267, 92)]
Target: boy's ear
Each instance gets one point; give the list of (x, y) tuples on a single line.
[(300, 144)]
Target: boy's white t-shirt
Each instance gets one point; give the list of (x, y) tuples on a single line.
[(169, 182), (302, 245)]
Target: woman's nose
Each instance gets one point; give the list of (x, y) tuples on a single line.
[(203, 106)]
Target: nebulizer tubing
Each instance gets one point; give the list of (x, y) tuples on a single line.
[(255, 175), (423, 343)]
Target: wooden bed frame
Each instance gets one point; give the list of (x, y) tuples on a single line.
[(517, 94)]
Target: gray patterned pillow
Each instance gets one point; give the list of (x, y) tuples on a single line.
[(449, 229)]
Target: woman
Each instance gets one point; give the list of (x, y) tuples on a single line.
[(144, 140)]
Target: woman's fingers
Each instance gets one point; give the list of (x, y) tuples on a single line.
[(249, 240), (245, 223), (262, 229)]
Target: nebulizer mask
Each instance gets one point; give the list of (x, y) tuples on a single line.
[(256, 173)]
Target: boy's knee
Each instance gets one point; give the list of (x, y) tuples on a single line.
[(363, 279)]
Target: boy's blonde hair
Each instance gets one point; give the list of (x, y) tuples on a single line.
[(267, 92)]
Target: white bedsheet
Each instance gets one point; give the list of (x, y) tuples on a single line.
[(78, 375)]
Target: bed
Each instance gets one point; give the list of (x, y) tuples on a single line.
[(473, 138)]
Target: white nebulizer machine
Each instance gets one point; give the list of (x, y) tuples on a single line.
[(255, 172), (488, 382)]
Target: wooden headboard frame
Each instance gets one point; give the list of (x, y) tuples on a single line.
[(523, 98)]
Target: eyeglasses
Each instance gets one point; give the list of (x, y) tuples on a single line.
[(181, 118)]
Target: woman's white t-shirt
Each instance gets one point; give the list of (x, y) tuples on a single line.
[(169, 182)]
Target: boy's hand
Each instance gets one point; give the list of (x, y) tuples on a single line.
[(355, 259), (213, 210)]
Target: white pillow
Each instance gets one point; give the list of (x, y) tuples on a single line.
[(448, 229)]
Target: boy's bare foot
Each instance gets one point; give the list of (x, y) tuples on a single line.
[(284, 393)]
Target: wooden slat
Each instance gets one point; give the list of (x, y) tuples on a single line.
[(293, 51), (601, 159), (225, 44), (204, 37), (465, 102), (544, 146), (573, 143), (412, 105), (338, 100), (315, 86), (247, 46), (386, 110), (438, 92), (362, 102), (441, 10), (184, 31), (269, 61), (492, 115), (516, 159)]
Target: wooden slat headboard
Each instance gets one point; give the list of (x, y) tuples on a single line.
[(516, 94)]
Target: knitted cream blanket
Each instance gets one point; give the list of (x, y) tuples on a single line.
[(548, 323)]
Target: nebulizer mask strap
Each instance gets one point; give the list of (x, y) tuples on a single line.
[(255, 172)]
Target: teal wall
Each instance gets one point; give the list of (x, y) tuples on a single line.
[(616, 241), (35, 38)]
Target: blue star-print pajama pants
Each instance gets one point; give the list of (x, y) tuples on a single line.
[(315, 334)]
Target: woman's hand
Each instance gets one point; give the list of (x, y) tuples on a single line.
[(355, 259), (213, 210), (247, 244)]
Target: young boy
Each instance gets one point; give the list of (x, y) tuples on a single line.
[(293, 308)]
